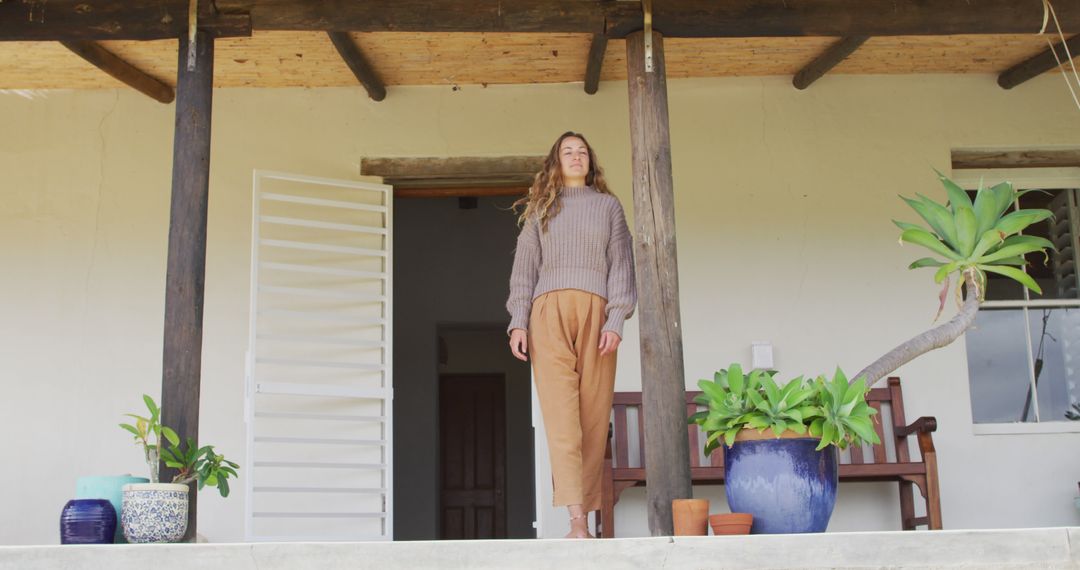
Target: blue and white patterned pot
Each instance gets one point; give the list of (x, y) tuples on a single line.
[(154, 512)]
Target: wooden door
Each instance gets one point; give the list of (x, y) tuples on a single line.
[(472, 445)]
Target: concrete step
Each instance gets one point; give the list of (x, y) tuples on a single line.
[(969, 549)]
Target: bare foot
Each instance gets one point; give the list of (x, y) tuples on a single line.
[(579, 529)]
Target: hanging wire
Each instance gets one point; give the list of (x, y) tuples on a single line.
[(1048, 13)]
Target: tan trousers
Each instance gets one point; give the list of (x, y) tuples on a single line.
[(575, 386)]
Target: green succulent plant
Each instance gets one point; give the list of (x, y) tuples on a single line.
[(845, 417), (831, 410), (975, 236), (971, 238), (193, 463)]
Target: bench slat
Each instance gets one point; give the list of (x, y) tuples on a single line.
[(622, 458), (879, 427), (692, 432), (856, 455)]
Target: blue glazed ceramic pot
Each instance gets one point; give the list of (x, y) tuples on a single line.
[(108, 487), (87, 521), (787, 485), (154, 512)]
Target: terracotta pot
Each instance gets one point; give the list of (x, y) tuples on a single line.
[(733, 523), (691, 516)]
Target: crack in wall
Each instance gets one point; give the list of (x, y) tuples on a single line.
[(97, 212)]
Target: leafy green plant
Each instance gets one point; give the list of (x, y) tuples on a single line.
[(148, 432), (193, 463), (845, 417), (975, 236), (971, 239), (200, 464), (831, 410)]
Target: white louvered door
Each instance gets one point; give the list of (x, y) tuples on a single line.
[(319, 393)]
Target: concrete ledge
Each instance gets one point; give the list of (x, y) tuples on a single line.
[(989, 549)]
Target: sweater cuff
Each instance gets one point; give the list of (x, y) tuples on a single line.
[(518, 320), (615, 320)]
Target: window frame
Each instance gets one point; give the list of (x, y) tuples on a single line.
[(1022, 179)]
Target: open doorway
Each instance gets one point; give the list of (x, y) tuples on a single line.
[(453, 258)]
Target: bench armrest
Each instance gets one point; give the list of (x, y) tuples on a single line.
[(925, 424)]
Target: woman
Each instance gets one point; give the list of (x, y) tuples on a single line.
[(571, 289)]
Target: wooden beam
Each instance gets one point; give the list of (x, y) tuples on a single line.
[(785, 18), (121, 70), (1015, 159), (460, 181), (663, 389), (675, 18), (157, 19), (438, 167), (186, 266), (596, 61), (359, 65), (1037, 64), (828, 59), (473, 192), (580, 16), (68, 20)]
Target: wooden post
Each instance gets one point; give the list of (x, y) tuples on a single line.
[(182, 358), (667, 455)]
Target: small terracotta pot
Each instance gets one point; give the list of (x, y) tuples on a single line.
[(733, 523), (691, 516)]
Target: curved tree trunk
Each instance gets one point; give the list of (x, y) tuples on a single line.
[(929, 340)]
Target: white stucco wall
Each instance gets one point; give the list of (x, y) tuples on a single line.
[(783, 202)]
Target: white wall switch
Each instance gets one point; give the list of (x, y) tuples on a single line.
[(761, 354)]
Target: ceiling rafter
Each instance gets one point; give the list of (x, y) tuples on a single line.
[(597, 49), (828, 59), (361, 68), (123, 71), (1037, 64)]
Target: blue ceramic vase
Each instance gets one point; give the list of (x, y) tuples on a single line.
[(108, 487), (786, 484), (87, 521)]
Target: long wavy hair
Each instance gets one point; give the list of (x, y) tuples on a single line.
[(543, 200)]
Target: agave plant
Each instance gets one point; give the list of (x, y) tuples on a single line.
[(831, 410), (845, 417), (728, 399), (971, 239)]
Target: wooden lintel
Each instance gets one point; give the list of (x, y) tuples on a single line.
[(596, 61), (828, 59), (123, 71), (476, 192), (157, 19), (1037, 64), (359, 64), (463, 181), (1015, 159), (69, 20), (457, 167)]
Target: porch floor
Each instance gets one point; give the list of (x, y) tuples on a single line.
[(1019, 548)]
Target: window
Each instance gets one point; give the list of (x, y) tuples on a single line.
[(1024, 348)]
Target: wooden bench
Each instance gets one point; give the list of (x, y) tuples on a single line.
[(892, 463)]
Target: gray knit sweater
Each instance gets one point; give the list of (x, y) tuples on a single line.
[(587, 246)]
